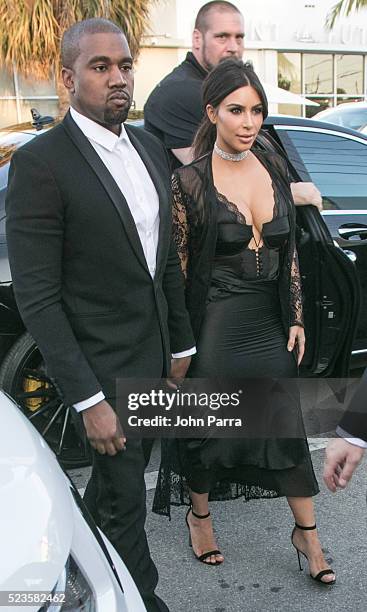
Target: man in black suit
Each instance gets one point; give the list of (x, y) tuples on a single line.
[(343, 454), (96, 276)]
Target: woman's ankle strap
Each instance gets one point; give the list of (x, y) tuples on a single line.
[(305, 528), (199, 516)]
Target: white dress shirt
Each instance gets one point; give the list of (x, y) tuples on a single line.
[(348, 438), (133, 179)]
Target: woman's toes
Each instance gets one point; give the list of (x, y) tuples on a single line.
[(328, 578)]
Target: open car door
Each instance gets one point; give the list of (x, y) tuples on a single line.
[(329, 277)]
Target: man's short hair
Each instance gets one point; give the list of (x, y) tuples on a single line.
[(70, 48), (222, 6)]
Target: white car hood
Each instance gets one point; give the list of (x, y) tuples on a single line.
[(36, 519)]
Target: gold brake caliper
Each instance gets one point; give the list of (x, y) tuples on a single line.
[(30, 385)]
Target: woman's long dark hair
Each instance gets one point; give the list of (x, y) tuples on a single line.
[(230, 74)]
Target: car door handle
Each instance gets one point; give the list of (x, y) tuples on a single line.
[(352, 230), (351, 255)]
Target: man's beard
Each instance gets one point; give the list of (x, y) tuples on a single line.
[(115, 117)]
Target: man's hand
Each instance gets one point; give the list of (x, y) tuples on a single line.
[(103, 429), (341, 460), (306, 193), (178, 371), (185, 156), (297, 339)]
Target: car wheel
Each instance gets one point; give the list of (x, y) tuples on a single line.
[(22, 376)]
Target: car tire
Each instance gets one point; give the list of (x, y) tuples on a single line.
[(23, 377)]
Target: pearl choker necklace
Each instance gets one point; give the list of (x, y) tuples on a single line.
[(235, 157)]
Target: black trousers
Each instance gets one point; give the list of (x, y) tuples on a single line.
[(116, 497)]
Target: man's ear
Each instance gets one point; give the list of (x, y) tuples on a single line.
[(197, 40), (212, 113), (67, 75)]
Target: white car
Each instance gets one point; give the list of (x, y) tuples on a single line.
[(52, 556), (352, 115)]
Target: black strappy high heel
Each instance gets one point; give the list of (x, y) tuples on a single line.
[(325, 572), (206, 554)]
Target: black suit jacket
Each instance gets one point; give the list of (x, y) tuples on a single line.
[(81, 280), (354, 420)]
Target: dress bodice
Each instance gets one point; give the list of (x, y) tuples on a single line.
[(212, 253), (233, 257)]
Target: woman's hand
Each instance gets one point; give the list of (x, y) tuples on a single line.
[(297, 338), (306, 193)]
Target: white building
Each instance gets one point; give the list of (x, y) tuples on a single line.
[(286, 40)]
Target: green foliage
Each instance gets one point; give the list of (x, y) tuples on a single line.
[(344, 7), (31, 30)]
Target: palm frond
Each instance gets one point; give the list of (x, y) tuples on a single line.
[(343, 7), (30, 30), (29, 35)]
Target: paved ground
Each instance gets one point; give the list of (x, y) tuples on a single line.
[(260, 572)]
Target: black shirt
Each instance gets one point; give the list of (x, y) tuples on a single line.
[(174, 109)]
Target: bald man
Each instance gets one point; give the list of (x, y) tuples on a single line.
[(174, 109)]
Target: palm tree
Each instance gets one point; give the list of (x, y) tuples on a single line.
[(31, 30), (344, 7)]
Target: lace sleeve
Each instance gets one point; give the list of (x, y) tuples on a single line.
[(296, 293), (180, 224)]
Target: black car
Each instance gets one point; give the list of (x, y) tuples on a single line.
[(22, 371), (333, 253), (335, 159), (333, 260)]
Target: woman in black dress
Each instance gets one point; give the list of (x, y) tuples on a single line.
[(234, 225)]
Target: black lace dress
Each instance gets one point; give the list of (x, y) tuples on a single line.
[(241, 335)]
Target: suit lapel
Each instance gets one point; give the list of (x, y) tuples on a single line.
[(163, 195), (109, 185)]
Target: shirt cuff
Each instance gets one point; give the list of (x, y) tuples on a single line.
[(89, 402), (347, 437), (186, 353)]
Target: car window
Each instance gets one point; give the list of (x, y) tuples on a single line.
[(9, 142), (333, 118), (337, 164), (4, 172), (352, 118)]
